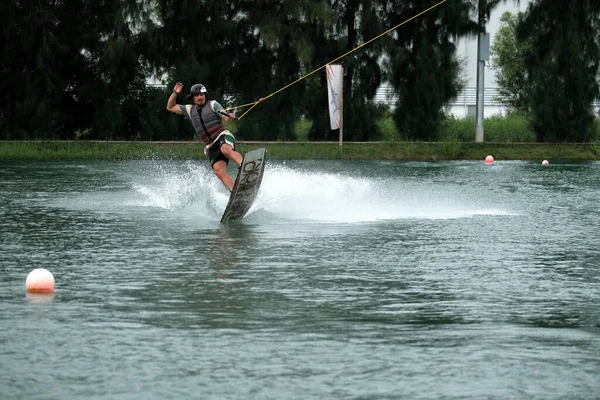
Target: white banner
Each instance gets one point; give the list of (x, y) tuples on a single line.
[(334, 93)]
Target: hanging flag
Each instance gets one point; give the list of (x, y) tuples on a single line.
[(334, 92)]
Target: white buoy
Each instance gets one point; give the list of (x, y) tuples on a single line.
[(40, 280), (545, 162)]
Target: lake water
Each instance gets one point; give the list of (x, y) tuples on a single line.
[(348, 280)]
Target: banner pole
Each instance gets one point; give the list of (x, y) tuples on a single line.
[(342, 109)]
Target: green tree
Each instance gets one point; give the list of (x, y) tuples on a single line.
[(114, 70), (356, 22), (562, 67), (423, 67), (70, 66), (242, 50), (508, 56), (287, 31), (267, 45), (33, 52)]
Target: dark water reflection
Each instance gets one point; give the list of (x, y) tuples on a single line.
[(350, 280)]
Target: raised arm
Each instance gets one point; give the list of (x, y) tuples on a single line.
[(172, 102)]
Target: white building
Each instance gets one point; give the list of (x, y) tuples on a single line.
[(464, 104)]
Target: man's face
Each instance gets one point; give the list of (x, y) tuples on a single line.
[(200, 99)]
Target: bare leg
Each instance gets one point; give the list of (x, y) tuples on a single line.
[(220, 168), (230, 153)]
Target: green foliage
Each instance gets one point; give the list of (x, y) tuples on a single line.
[(67, 66), (302, 129), (387, 127), (159, 124), (419, 151), (423, 68), (356, 21), (81, 134), (75, 150), (508, 56), (563, 67), (513, 128), (458, 129), (596, 147), (242, 51), (78, 69), (451, 149)]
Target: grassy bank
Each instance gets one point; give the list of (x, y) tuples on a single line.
[(418, 151), (506, 138)]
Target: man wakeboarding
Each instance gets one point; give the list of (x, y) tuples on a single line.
[(206, 117)]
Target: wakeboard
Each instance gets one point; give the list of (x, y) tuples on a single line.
[(246, 185)]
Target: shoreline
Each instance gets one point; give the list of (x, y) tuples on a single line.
[(401, 151)]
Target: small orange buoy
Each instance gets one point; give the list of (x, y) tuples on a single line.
[(489, 160), (40, 280), (545, 162)]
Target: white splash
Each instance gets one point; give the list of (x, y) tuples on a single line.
[(325, 197), (190, 191), (191, 187)]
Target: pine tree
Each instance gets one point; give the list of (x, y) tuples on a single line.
[(423, 67), (69, 66), (562, 67), (356, 22)]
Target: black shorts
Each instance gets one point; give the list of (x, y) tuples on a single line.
[(214, 153)]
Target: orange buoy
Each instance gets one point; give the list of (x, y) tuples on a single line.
[(40, 280)]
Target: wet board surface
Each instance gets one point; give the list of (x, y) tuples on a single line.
[(246, 185)]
